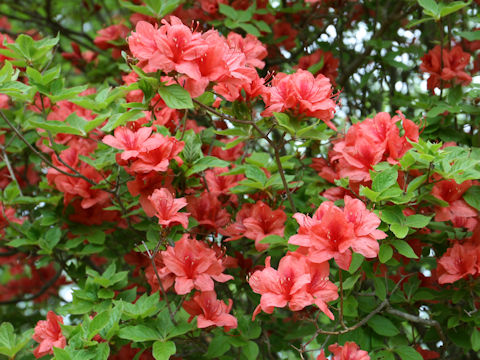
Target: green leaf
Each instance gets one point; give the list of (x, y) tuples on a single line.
[(7, 339), (284, 122), (349, 283), (472, 196), (218, 346), (470, 35), (274, 240), (392, 215), (103, 351), (418, 221), (249, 28), (255, 173), (399, 230), (385, 253), (52, 237), (447, 9), (384, 179), (205, 163), (430, 6), (383, 326), (121, 119), (139, 333), (357, 260), (380, 288), (404, 248), (407, 353), (163, 350), (475, 339), (98, 323), (251, 350), (61, 354), (228, 11), (176, 97)]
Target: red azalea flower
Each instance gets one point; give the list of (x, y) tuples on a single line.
[(457, 263), (194, 265), (446, 65), (302, 94), (287, 285), (210, 311), (349, 351), (49, 334), (262, 222), (167, 207), (127, 140)]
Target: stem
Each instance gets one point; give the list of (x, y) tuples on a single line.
[(340, 315), (10, 170), (162, 289)]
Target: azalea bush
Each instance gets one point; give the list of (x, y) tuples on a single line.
[(223, 179)]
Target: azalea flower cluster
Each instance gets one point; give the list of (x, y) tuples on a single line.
[(48, 334), (333, 232), (256, 222), (301, 94), (298, 282), (349, 351), (191, 264), (461, 261), (371, 141), (446, 67), (365, 144), (146, 154), (198, 59)]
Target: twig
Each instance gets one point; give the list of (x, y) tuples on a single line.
[(152, 260), (419, 320), (10, 170)]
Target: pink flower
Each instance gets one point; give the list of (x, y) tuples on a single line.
[(458, 209), (457, 263), (371, 141), (108, 35), (172, 47), (208, 211), (365, 224), (210, 311), (156, 154), (48, 334), (142, 42), (287, 285), (219, 184), (194, 265), (302, 94), (167, 207), (263, 222), (127, 140), (329, 67), (253, 49), (349, 351), (446, 66), (332, 232)]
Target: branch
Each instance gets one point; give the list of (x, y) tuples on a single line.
[(10, 169), (160, 284), (419, 320)]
